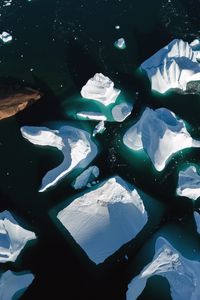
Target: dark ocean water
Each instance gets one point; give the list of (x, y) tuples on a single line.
[(57, 46)]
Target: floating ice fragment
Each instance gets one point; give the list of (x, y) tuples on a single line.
[(5, 37), (121, 111), (13, 237), (76, 145), (160, 133), (197, 220), (173, 67), (14, 284), (100, 88), (105, 218), (89, 115), (189, 183), (120, 44), (181, 273), (99, 128), (86, 177)]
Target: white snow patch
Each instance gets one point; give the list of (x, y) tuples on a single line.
[(88, 115)]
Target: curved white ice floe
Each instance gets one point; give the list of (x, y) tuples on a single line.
[(100, 88), (189, 183), (76, 145), (13, 237), (172, 67), (13, 283), (88, 176), (197, 220), (160, 133), (181, 273), (105, 218)]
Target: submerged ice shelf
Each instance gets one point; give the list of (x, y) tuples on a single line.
[(181, 273), (105, 218), (76, 145), (189, 183), (13, 285), (173, 67), (160, 133), (13, 237), (85, 178)]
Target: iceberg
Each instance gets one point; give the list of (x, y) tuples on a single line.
[(120, 44), (104, 218), (86, 177), (172, 67), (181, 273), (89, 115), (197, 220), (13, 237), (189, 183), (13, 285), (5, 37), (121, 111), (99, 128), (160, 133), (76, 145), (100, 88)]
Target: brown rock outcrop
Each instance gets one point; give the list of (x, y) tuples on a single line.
[(14, 99)]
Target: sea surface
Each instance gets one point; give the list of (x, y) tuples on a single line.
[(57, 46)]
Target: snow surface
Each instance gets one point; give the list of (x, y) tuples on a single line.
[(189, 183), (100, 88), (76, 145), (181, 273), (105, 218), (172, 67), (160, 133), (13, 237), (86, 177), (11, 283)]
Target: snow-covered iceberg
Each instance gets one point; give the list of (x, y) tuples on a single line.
[(13, 285), (189, 183), (100, 88), (13, 237), (105, 218), (181, 273), (172, 67), (197, 220), (113, 104), (160, 133), (5, 37), (99, 128), (120, 44), (88, 176), (76, 145)]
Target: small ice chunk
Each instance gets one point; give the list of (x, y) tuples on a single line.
[(99, 128), (173, 67), (120, 44), (75, 144), (181, 273), (105, 218), (6, 37), (121, 111), (117, 27), (197, 220), (89, 115), (100, 88), (13, 237), (86, 177), (189, 183), (161, 134), (14, 284)]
